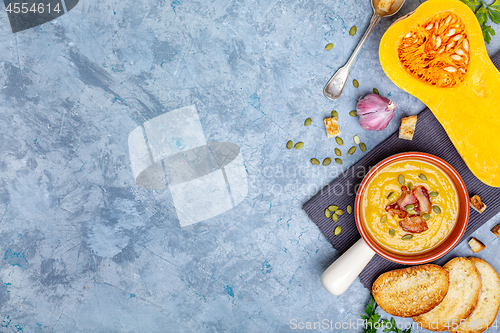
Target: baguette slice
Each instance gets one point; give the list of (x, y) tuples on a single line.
[(411, 291), (486, 311), (461, 299)]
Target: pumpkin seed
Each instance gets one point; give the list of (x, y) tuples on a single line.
[(329, 46), (362, 146), (392, 232), (436, 209), (308, 122), (390, 195), (426, 216), (339, 161), (353, 113), (338, 152), (352, 150), (339, 140), (423, 177), (298, 145), (353, 31), (333, 208), (335, 218), (335, 114), (409, 207), (327, 161), (375, 91), (314, 161), (433, 194), (407, 237), (383, 219), (338, 230), (289, 144), (356, 139), (349, 209), (410, 185), (355, 83), (339, 212), (327, 213), (401, 179)]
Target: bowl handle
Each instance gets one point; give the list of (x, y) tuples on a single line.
[(341, 274)]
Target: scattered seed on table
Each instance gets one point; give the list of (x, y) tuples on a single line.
[(335, 218), (349, 209), (327, 213), (327, 161), (433, 194), (436, 209), (355, 83), (362, 146), (375, 91), (339, 140), (353, 113), (353, 31), (339, 212), (338, 160), (289, 144), (335, 114), (338, 230), (352, 150), (308, 122), (356, 140), (298, 145), (338, 152), (314, 161), (401, 179), (333, 208), (329, 46)]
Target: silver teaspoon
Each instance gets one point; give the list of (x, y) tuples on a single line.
[(334, 87)]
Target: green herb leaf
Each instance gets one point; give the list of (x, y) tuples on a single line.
[(482, 15), (487, 33), (494, 15)]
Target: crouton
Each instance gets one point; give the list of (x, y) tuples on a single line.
[(496, 230), (385, 5), (476, 245), (332, 127), (477, 204), (407, 128)]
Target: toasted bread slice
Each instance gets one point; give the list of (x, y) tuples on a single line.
[(407, 128), (476, 246), (461, 299), (496, 230), (411, 291), (486, 311), (477, 204)]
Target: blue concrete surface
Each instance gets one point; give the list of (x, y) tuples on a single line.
[(84, 249)]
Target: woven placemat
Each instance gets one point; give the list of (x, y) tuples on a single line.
[(430, 137)]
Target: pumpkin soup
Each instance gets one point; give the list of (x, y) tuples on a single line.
[(410, 206)]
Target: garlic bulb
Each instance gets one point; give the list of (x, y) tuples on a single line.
[(375, 112)]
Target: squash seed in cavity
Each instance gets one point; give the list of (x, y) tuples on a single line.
[(423, 177), (355, 83), (353, 113), (436, 209), (383, 219), (410, 185), (352, 150), (401, 179), (329, 46), (335, 218), (390, 195), (333, 208), (356, 139), (362, 146), (327, 161), (335, 114), (327, 213), (298, 145), (314, 161), (407, 237), (338, 152), (339, 140), (338, 160), (349, 209), (392, 232), (353, 31), (308, 122), (433, 194), (338, 230), (289, 144), (375, 91), (426, 216), (339, 212)]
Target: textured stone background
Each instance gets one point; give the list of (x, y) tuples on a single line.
[(82, 248)]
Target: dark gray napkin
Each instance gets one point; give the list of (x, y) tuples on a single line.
[(430, 137)]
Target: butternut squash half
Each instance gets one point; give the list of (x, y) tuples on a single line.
[(437, 54)]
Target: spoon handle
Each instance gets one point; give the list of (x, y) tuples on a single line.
[(336, 84)]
